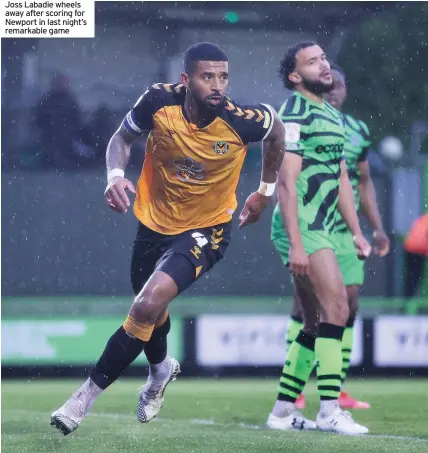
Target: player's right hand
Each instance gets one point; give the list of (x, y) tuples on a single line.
[(363, 247), (381, 243), (298, 261), (116, 196)]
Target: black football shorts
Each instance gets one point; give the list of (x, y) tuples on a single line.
[(185, 257)]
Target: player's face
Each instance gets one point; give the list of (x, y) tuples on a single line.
[(208, 82), (336, 97), (312, 70)]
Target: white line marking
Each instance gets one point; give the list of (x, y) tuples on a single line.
[(198, 421)]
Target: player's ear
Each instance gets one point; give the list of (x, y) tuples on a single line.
[(184, 79), (294, 77)]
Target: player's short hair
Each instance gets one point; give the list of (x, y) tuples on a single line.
[(339, 69), (202, 51), (288, 63)]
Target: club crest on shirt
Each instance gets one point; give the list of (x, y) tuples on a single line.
[(221, 147)]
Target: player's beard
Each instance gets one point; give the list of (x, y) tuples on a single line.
[(317, 87), (204, 107)]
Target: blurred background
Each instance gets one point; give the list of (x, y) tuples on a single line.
[(66, 256)]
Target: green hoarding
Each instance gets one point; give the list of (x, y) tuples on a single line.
[(68, 341)]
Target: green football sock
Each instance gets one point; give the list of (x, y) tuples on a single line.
[(328, 352), (347, 341), (299, 363), (294, 326)]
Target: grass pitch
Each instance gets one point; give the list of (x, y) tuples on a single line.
[(209, 416)]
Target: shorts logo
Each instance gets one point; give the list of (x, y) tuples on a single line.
[(216, 238), (196, 251), (221, 147), (292, 132), (201, 240), (198, 271), (189, 170)]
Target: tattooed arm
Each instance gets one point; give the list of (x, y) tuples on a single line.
[(138, 120), (273, 155), (117, 157), (273, 151)]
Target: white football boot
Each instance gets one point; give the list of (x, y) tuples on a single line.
[(294, 421), (341, 422), (68, 417), (151, 393)]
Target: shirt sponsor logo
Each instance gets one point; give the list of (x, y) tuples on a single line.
[(333, 148), (189, 170)]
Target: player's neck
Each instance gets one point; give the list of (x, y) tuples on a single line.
[(316, 98), (197, 115)]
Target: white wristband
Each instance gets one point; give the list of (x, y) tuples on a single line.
[(115, 172), (266, 189)]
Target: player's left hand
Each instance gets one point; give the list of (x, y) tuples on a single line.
[(381, 243), (253, 209), (363, 247)]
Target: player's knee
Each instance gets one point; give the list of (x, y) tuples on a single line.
[(311, 322), (146, 307), (296, 310), (337, 309), (342, 314)]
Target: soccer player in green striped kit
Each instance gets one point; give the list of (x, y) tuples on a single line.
[(314, 193), (357, 143)]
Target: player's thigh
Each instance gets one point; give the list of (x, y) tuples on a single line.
[(193, 253), (352, 270), (328, 285), (324, 274), (353, 292), (282, 247), (296, 307), (153, 299), (307, 303), (351, 267), (147, 250)]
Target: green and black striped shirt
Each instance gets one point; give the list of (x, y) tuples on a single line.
[(357, 143), (315, 132)]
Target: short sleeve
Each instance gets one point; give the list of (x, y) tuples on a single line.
[(294, 138), (252, 123), (297, 120), (366, 142), (140, 117)]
